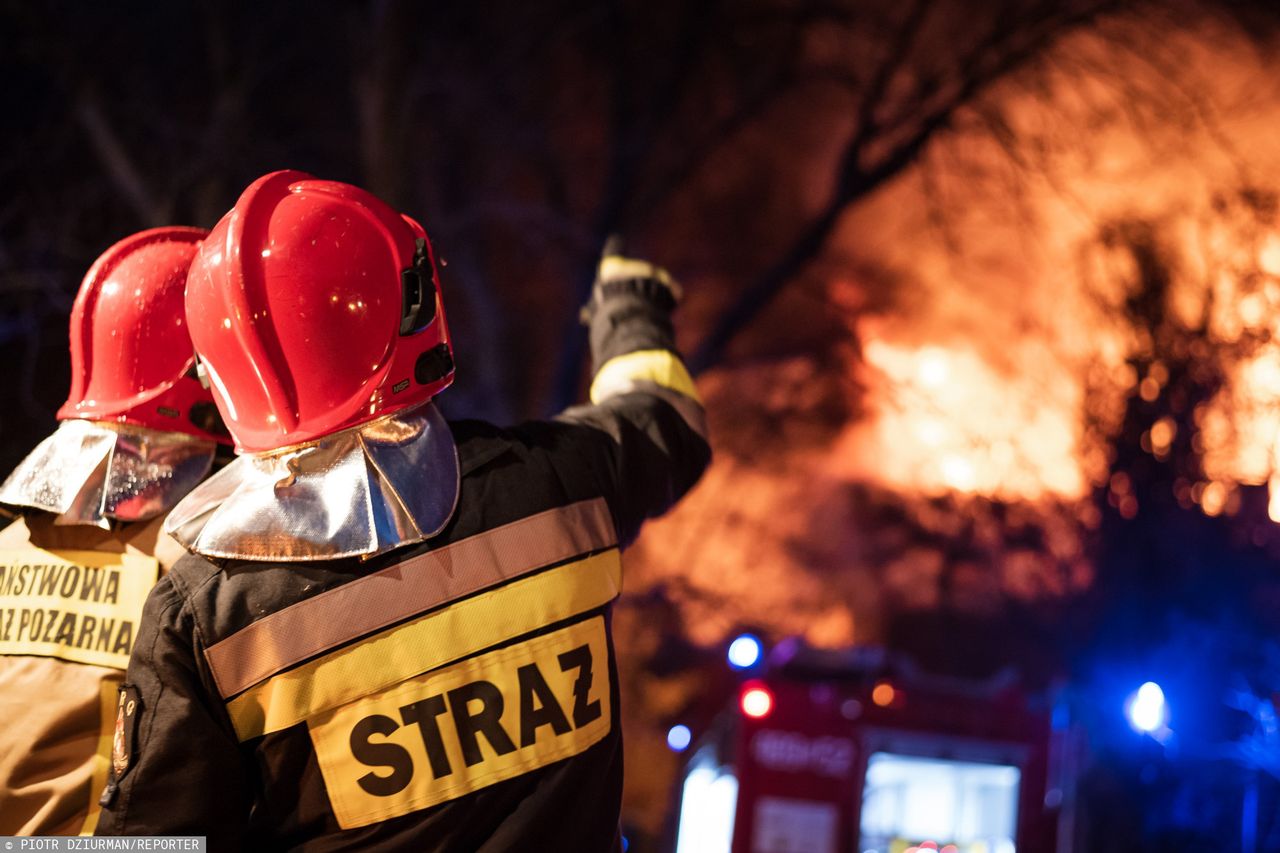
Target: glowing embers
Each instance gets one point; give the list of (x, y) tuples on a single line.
[(1159, 439), (1239, 434), (947, 420), (1269, 255)]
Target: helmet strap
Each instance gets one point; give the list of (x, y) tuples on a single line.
[(198, 372)]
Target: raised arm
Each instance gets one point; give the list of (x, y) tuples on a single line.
[(642, 396)]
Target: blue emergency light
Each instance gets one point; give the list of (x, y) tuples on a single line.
[(1146, 709), (745, 651)]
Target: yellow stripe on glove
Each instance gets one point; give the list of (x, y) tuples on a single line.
[(659, 366)]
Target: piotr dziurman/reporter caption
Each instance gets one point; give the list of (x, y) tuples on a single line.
[(55, 844)]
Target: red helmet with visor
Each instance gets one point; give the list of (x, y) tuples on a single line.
[(131, 357), (315, 307)]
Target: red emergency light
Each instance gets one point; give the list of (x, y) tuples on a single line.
[(756, 701)]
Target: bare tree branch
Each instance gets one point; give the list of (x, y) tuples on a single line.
[(119, 165), (992, 59)]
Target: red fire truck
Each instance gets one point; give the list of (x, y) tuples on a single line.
[(855, 752)]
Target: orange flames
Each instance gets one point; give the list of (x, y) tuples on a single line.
[(990, 389), (1002, 366), (946, 420)]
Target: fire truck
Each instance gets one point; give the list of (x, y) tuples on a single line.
[(859, 752)]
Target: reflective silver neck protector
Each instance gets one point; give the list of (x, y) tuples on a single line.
[(88, 472), (359, 492)]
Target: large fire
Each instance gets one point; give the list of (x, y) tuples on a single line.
[(947, 420), (1004, 367), (980, 449)]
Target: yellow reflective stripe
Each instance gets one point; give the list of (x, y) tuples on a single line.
[(466, 726), (108, 688), (614, 267), (428, 642), (659, 366), (407, 589)]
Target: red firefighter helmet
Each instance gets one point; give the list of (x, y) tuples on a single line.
[(315, 307), (131, 357)]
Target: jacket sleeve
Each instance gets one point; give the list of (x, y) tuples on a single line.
[(183, 773), (650, 438)]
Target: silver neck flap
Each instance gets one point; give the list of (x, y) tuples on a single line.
[(359, 492), (89, 472)]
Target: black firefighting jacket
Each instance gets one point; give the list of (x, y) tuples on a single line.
[(460, 694)]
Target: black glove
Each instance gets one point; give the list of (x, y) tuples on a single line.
[(620, 275)]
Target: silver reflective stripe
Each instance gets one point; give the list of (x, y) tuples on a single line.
[(406, 589)]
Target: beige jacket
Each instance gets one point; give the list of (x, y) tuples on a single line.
[(70, 598)]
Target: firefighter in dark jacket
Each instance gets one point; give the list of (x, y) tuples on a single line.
[(137, 432), (393, 632)]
